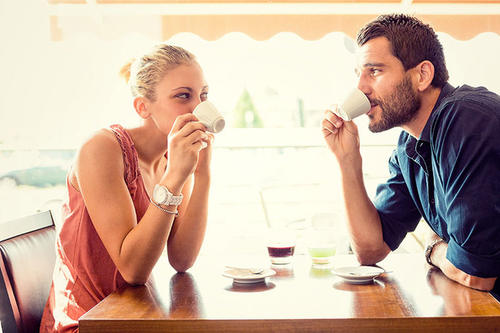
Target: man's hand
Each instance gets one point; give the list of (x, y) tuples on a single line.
[(341, 138)]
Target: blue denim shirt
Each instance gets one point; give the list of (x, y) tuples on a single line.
[(450, 176)]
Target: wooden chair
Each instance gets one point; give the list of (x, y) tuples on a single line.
[(27, 247)]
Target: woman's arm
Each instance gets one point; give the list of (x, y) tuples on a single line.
[(99, 173), (134, 247), (189, 228)]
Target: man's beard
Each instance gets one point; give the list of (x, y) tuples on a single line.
[(398, 108)]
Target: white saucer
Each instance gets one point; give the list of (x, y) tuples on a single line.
[(358, 281), (245, 276), (358, 274)]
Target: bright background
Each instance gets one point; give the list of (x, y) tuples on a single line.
[(56, 92)]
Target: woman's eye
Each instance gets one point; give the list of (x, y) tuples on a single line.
[(183, 95), (204, 96)]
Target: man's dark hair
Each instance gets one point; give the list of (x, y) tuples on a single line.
[(412, 42)]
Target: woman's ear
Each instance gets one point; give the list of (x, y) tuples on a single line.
[(425, 74), (140, 106)]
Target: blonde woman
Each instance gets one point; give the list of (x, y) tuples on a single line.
[(131, 192)]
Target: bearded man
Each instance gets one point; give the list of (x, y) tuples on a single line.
[(445, 167)]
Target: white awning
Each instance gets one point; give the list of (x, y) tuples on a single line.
[(262, 19)]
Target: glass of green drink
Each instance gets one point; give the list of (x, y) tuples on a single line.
[(321, 254), (321, 240)]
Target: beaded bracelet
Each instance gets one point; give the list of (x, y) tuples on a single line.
[(176, 213)]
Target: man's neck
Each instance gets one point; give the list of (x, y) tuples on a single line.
[(417, 124)]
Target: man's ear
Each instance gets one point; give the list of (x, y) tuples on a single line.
[(425, 75), (140, 106)]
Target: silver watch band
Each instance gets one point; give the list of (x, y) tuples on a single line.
[(176, 212), (175, 200)]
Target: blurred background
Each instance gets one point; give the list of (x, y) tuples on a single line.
[(272, 68)]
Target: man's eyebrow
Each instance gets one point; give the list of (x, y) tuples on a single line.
[(374, 64)]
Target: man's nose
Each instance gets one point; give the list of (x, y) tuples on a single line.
[(364, 85)]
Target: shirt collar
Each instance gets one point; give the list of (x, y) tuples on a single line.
[(426, 132), (411, 143)]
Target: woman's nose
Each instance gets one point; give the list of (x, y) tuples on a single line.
[(196, 101)]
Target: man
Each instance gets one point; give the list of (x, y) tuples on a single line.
[(446, 164)]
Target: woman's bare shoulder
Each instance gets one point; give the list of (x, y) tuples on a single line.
[(102, 141), (100, 149)]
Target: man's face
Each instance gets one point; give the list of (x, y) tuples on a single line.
[(394, 101)]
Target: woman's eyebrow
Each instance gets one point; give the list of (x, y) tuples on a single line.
[(188, 88)]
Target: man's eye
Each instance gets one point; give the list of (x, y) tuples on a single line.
[(183, 95), (374, 71), (204, 96)]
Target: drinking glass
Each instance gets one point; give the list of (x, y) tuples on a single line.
[(321, 239), (281, 246)]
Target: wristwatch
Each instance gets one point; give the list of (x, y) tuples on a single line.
[(428, 251), (162, 196)]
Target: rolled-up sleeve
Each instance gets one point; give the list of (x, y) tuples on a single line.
[(395, 206), (467, 151), (471, 263)]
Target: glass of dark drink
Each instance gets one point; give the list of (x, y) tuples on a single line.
[(281, 247)]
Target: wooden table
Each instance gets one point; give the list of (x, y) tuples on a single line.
[(299, 298)]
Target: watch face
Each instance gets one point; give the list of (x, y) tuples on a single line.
[(159, 194)]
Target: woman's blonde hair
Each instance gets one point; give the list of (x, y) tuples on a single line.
[(144, 74)]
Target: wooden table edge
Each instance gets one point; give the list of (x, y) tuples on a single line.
[(415, 324)]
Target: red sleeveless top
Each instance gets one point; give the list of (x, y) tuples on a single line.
[(84, 273)]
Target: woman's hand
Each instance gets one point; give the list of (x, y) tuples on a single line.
[(205, 157), (341, 137), (185, 141)]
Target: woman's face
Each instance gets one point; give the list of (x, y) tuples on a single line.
[(179, 92)]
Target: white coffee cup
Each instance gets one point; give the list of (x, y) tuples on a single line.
[(209, 116), (354, 104)]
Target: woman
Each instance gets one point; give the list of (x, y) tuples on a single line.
[(133, 191)]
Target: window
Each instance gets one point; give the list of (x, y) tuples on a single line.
[(269, 164)]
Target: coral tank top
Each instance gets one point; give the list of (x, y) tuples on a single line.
[(84, 273)]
